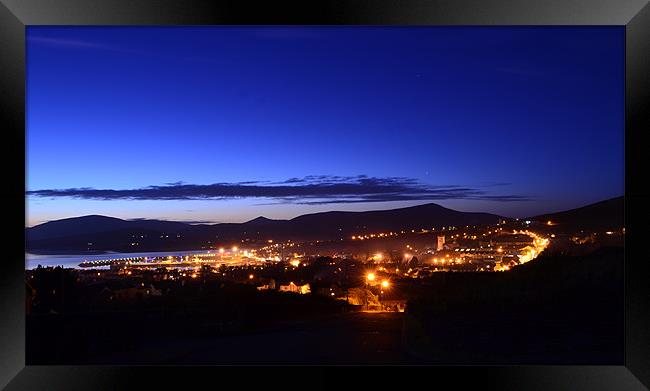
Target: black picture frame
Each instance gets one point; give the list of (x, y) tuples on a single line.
[(15, 15)]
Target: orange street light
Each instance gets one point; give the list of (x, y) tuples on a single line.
[(371, 276), (385, 283)]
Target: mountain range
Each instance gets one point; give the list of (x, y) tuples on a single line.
[(97, 233), (113, 234)]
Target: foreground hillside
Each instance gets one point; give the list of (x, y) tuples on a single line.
[(557, 309)]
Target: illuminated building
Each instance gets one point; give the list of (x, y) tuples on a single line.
[(441, 243)]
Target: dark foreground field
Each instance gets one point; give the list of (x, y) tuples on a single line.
[(555, 310), (346, 338), (353, 338)]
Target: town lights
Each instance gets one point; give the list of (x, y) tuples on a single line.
[(235, 248), (385, 284), (221, 250), (370, 277), (250, 276)]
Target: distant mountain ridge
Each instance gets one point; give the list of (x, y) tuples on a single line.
[(95, 224), (102, 233), (113, 234)]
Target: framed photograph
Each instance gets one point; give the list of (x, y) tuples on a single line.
[(453, 186)]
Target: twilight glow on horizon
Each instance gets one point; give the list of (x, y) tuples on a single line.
[(225, 124)]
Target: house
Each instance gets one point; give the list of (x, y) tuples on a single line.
[(270, 285), (362, 297), (301, 289), (394, 305)]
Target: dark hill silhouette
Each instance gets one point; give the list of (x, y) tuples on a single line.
[(75, 226), (95, 224), (107, 233), (260, 220), (416, 217), (604, 215)]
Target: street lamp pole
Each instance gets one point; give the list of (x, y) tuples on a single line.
[(384, 284), (366, 295), (379, 295), (369, 277)]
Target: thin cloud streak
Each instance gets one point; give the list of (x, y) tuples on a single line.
[(310, 190), (71, 43)]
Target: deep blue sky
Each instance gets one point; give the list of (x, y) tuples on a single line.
[(515, 121)]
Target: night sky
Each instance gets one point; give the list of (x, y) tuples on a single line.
[(224, 124)]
